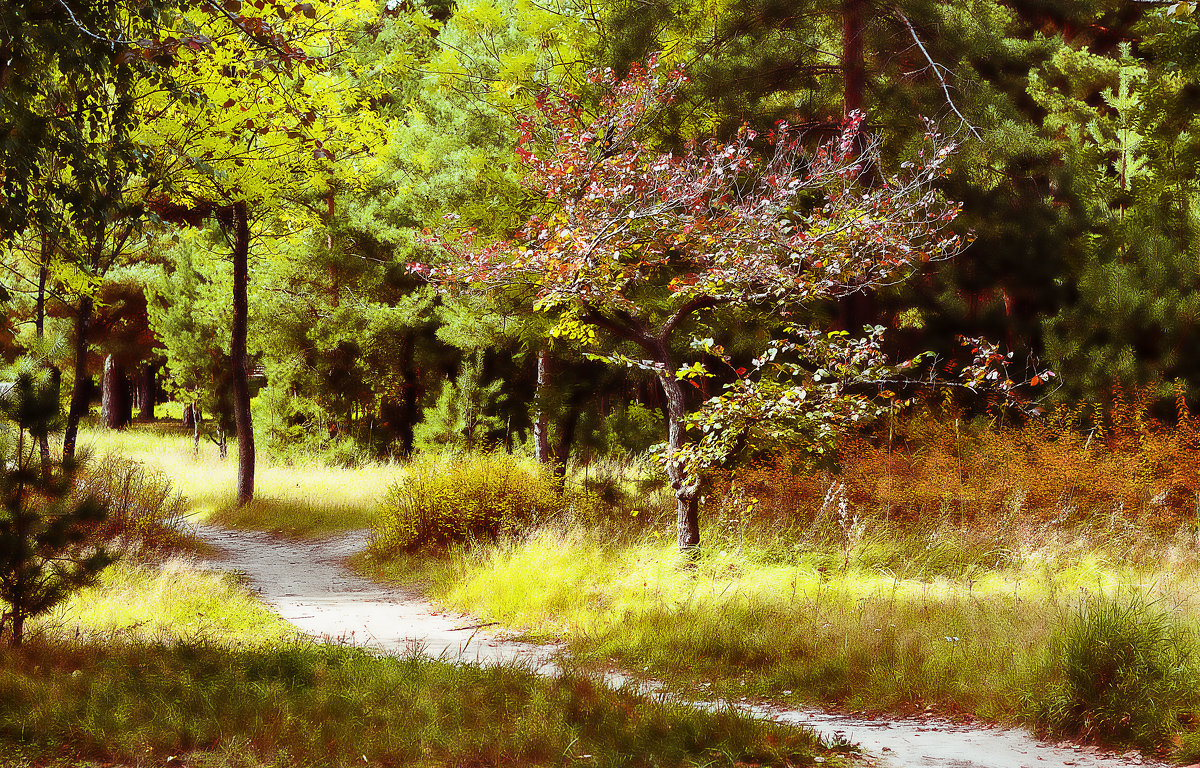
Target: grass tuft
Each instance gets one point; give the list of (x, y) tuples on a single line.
[(1121, 670)]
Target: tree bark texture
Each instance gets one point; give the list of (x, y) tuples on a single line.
[(39, 327), (566, 439), (854, 70), (541, 418), (147, 390), (115, 407), (81, 394), (241, 375), (687, 489)]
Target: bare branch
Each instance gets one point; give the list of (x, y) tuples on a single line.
[(938, 74)]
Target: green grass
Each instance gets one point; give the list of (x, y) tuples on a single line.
[(198, 703), (169, 663), (951, 626), (172, 600), (297, 499), (838, 611)]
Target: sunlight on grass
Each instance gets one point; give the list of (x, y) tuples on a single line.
[(305, 499), (176, 600), (804, 629)]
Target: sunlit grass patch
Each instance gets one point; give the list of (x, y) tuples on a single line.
[(172, 600), (303, 499)]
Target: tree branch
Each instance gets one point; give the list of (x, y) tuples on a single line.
[(689, 306), (937, 73)]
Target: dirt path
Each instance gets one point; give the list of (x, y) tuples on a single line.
[(307, 583)]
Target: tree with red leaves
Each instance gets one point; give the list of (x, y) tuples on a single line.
[(638, 244)]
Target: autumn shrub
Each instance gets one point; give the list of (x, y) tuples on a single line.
[(1119, 670), (146, 513), (463, 499), (1117, 471)]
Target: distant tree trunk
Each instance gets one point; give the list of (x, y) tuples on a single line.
[(81, 394), (147, 390), (115, 407), (857, 309), (410, 396), (237, 349), (541, 419), (566, 439), (854, 69)]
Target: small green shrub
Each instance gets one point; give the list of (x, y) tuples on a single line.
[(145, 511), (1121, 670), (462, 499)]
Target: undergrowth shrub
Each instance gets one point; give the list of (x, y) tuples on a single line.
[(146, 513), (463, 499), (1119, 472), (1119, 670)]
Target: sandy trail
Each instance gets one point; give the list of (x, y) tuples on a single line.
[(307, 583)]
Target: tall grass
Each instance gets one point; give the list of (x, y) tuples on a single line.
[(957, 629), (169, 664), (170, 600), (302, 499)]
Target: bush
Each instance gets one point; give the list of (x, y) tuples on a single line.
[(463, 499), (1120, 670), (145, 512)]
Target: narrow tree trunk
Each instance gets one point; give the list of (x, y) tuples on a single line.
[(241, 375), (39, 326), (81, 393), (687, 489), (857, 309), (410, 396), (541, 418), (147, 386), (566, 439), (197, 418), (18, 626)]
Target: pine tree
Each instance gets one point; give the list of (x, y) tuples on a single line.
[(45, 551)]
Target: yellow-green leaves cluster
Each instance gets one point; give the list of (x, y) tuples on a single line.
[(267, 102)]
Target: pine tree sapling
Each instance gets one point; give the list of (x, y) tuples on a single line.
[(45, 547)]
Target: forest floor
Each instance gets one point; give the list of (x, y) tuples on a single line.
[(307, 582)]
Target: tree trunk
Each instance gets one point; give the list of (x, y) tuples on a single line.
[(81, 394), (18, 626), (39, 326), (237, 348), (147, 390), (115, 407), (687, 489), (566, 438), (541, 418), (857, 309)]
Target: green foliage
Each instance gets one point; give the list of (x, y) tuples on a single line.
[(46, 546), (1120, 670), (467, 414), (1129, 310), (189, 313), (475, 497)]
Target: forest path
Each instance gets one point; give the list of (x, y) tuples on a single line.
[(308, 584)]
